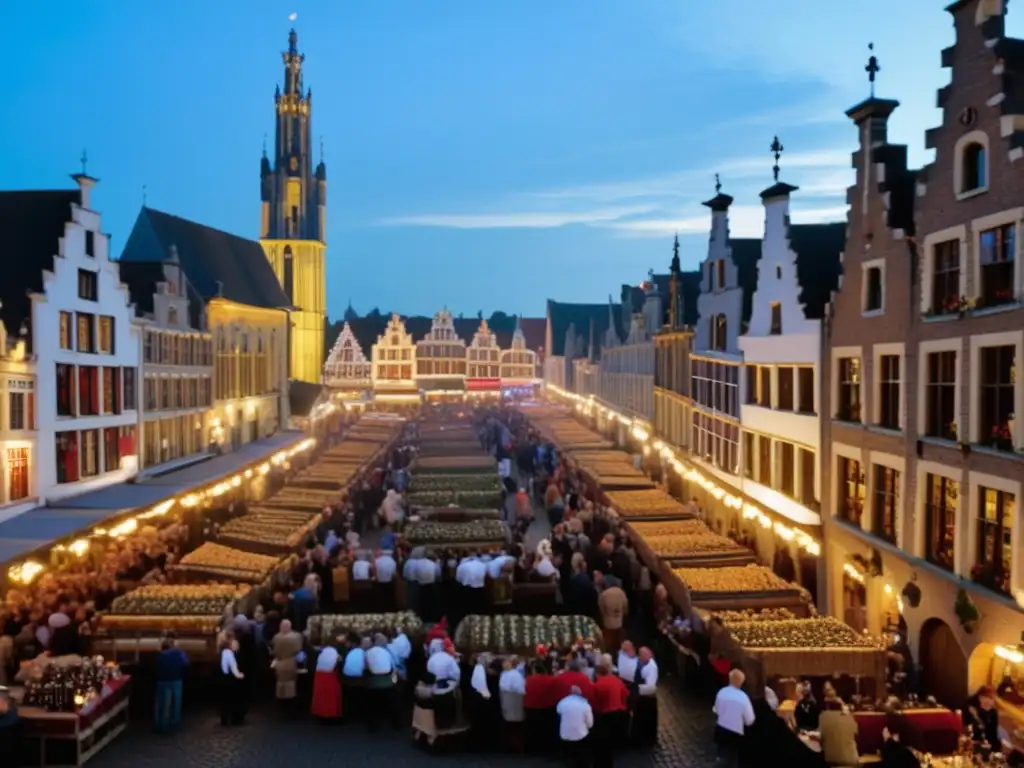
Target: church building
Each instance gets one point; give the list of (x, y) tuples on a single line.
[(293, 218)]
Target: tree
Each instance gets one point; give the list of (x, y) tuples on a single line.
[(500, 321)]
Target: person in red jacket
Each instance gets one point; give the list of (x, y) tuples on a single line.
[(574, 676), (539, 705), (611, 713)]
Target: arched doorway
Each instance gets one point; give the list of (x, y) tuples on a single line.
[(943, 664)]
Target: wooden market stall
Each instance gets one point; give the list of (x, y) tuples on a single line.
[(456, 514), (324, 628), (684, 544), (453, 464), (651, 505), (482, 534), (520, 635), (734, 588)]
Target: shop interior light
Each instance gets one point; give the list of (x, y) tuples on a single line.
[(1011, 655), (123, 529), (79, 547), (25, 573), (853, 573)]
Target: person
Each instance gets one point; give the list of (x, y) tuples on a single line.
[(401, 650), (895, 754), (983, 717), (626, 662), (10, 731), (575, 719), (485, 710), (838, 733), (644, 693), (361, 567), (806, 713), (327, 686), (538, 703), (286, 647), (574, 677), (553, 503), (443, 665), (304, 601), (472, 577), (412, 585), (543, 565), (614, 607), (511, 691), (355, 659), (232, 698), (428, 575), (380, 685), (612, 713), (735, 714), (385, 566), (171, 664)]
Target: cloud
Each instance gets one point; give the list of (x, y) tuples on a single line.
[(744, 221), (517, 220)]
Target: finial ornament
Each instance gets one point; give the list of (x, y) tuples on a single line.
[(321, 147), (872, 68), (84, 159), (718, 189), (264, 144), (143, 195), (776, 149)]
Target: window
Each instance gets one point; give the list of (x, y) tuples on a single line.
[(995, 539), (873, 289), (106, 334), (785, 374), (940, 520), (86, 330), (718, 441), (751, 384), (148, 347), (849, 389), (721, 274), (172, 316), (90, 452), (851, 491), (111, 390), (998, 249), (973, 174), (721, 334), (128, 400), (776, 328), (805, 381), (998, 366), (889, 391), (22, 410), (786, 479), (88, 390), (764, 460), (87, 285), (66, 337), (67, 456), (946, 278), (940, 396), (748, 455), (808, 467), (90, 243), (886, 494), (111, 449), (65, 390), (17, 464), (764, 389)]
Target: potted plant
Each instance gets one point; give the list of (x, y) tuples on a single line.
[(875, 563), (913, 594), (1002, 437), (966, 611)]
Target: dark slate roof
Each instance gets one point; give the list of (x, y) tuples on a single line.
[(368, 329), (534, 330), (746, 252), (690, 288), (591, 321), (302, 396), (32, 223), (818, 250), (141, 278), (208, 256)]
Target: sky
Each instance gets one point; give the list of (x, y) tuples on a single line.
[(481, 154)]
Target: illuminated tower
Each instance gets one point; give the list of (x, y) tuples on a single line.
[(294, 206)]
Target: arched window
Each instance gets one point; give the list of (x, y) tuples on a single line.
[(172, 316), (721, 333), (289, 274), (973, 175)]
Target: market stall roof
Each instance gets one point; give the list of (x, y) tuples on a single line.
[(450, 383), (60, 519)]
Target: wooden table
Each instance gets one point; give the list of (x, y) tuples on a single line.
[(90, 730)]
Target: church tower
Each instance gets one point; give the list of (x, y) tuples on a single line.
[(293, 218)]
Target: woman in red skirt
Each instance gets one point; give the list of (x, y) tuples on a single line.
[(327, 686)]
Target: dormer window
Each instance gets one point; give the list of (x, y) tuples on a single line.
[(172, 316), (970, 169), (974, 168), (721, 332), (721, 274), (776, 327)]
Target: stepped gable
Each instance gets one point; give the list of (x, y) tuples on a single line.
[(818, 249)]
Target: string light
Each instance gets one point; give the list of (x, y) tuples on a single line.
[(587, 404)]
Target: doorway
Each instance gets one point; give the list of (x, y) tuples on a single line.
[(943, 664)]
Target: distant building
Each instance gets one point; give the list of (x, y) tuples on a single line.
[(347, 370), (441, 358)]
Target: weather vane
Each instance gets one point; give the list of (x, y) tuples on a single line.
[(718, 184), (321, 147), (872, 68), (776, 149), (143, 195), (85, 161)]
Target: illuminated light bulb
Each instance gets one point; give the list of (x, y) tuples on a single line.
[(79, 547), (1011, 655)]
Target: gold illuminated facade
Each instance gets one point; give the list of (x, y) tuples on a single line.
[(17, 425), (394, 365), (518, 363), (250, 373), (293, 218)]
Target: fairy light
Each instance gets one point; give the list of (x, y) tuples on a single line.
[(853, 573)]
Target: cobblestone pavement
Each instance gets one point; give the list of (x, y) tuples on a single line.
[(268, 739)]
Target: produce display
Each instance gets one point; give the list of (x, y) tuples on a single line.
[(431, 532), (453, 464), (819, 632), (481, 482), (325, 628), (216, 560), (650, 503), (178, 600), (456, 514), (509, 633), (745, 578), (68, 687), (275, 528), (689, 537), (467, 498), (749, 615)]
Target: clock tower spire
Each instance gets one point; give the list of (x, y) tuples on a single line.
[(293, 197)]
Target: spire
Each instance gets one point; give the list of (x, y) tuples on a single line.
[(674, 266), (779, 188), (776, 149), (872, 107), (293, 42), (872, 68), (720, 202)]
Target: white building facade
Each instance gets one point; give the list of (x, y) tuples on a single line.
[(346, 368)]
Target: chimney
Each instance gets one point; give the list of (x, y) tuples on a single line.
[(85, 185)]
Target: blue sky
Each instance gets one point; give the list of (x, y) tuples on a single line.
[(484, 154)]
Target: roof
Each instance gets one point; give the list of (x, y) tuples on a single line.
[(746, 252), (302, 396), (33, 223), (818, 249), (141, 277), (590, 320), (368, 329), (43, 526), (217, 263), (690, 288)]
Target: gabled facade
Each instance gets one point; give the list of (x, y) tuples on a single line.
[(797, 272), (575, 331), (483, 361), (441, 357), (394, 364), (626, 370), (347, 368), (518, 366), (672, 346)]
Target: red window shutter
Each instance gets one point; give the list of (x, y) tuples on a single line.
[(30, 416), (126, 445), (95, 390), (71, 463), (117, 390)]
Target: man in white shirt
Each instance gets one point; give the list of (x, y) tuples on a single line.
[(361, 567), (378, 658), (384, 567), (735, 714), (355, 660), (626, 663), (443, 666), (497, 564), (428, 574), (575, 719), (472, 575)]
